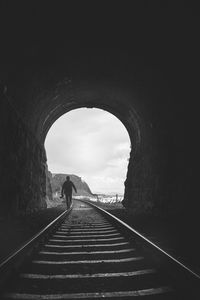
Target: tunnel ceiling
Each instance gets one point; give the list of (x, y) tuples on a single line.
[(50, 57), (55, 58), (69, 95), (42, 94)]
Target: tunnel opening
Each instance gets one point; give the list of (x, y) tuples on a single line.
[(93, 147), (32, 123)]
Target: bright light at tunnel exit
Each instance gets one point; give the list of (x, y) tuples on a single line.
[(92, 144)]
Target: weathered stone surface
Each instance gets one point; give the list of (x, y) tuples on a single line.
[(22, 162)]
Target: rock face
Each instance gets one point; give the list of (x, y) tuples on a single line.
[(57, 180)]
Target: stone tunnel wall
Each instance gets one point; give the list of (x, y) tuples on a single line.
[(142, 185), (157, 180), (22, 175)]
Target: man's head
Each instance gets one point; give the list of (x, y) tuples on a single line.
[(68, 178)]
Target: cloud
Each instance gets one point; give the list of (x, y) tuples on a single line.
[(91, 143)]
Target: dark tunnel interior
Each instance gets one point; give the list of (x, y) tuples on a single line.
[(140, 64)]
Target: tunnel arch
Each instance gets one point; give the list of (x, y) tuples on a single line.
[(42, 107), (120, 102), (112, 100)]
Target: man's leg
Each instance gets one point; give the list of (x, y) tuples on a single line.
[(68, 201)]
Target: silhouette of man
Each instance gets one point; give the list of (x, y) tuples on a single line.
[(67, 190)]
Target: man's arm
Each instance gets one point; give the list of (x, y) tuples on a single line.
[(74, 187)]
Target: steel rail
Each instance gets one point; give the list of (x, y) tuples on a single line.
[(169, 256), (15, 259)]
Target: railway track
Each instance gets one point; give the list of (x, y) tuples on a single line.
[(92, 256)]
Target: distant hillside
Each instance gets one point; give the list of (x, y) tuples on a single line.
[(57, 180)]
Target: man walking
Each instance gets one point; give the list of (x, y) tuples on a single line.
[(67, 190)]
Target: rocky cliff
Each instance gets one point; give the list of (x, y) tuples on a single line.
[(56, 181)]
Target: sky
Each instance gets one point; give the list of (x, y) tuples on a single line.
[(92, 144)]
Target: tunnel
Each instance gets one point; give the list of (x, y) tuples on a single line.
[(65, 98), (28, 120), (147, 83)]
